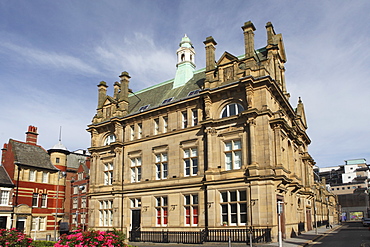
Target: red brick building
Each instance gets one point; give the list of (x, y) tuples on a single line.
[(6, 192), (50, 187), (39, 188), (79, 202)]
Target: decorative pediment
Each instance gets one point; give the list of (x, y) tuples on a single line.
[(109, 100), (226, 58)]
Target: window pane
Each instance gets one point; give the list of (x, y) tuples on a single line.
[(195, 199), (243, 208), (187, 200), (187, 167), (158, 171), (243, 218), (195, 166), (164, 157), (237, 161), (224, 196), (233, 218), (237, 145), (164, 170), (242, 195), (138, 174), (228, 161), (224, 113), (224, 209), (233, 208), (195, 220), (232, 109), (133, 175), (228, 146), (233, 196), (186, 153), (194, 152)]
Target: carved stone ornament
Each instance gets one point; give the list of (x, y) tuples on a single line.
[(249, 93), (211, 130), (208, 103), (228, 73)]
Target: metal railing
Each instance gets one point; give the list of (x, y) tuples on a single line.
[(199, 237)]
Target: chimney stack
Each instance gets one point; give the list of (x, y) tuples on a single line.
[(210, 53), (31, 135), (125, 80), (102, 93), (248, 30)]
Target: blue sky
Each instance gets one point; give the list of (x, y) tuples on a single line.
[(54, 53)]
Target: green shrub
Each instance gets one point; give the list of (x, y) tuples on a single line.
[(41, 243)]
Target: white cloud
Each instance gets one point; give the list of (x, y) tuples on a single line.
[(51, 60), (146, 61)]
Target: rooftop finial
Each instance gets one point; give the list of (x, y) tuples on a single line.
[(60, 133)]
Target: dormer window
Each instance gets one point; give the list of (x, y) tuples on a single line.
[(167, 101), (193, 92), (231, 110), (143, 108), (110, 139)]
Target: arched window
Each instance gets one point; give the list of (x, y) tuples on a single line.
[(182, 57), (110, 139), (231, 109)]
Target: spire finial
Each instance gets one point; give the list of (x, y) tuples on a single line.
[(60, 133)]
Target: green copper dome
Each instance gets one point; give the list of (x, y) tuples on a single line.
[(186, 42)]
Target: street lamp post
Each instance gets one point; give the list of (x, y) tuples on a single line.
[(60, 175), (80, 189), (280, 211)]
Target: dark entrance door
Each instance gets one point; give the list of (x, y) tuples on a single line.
[(3, 222), (309, 221), (136, 219), (20, 225)]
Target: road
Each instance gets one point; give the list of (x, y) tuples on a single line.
[(351, 234)]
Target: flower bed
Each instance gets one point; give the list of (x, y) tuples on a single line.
[(14, 238), (92, 238)]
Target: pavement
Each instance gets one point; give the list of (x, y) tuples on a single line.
[(303, 239)]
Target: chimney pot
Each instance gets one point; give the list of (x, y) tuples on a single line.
[(31, 135)]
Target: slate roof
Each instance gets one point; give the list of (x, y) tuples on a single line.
[(5, 180), (74, 160), (155, 95), (31, 155)]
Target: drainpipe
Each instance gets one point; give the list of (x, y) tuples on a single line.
[(205, 166), (16, 196), (122, 179)]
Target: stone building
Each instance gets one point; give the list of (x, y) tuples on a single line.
[(214, 148)]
